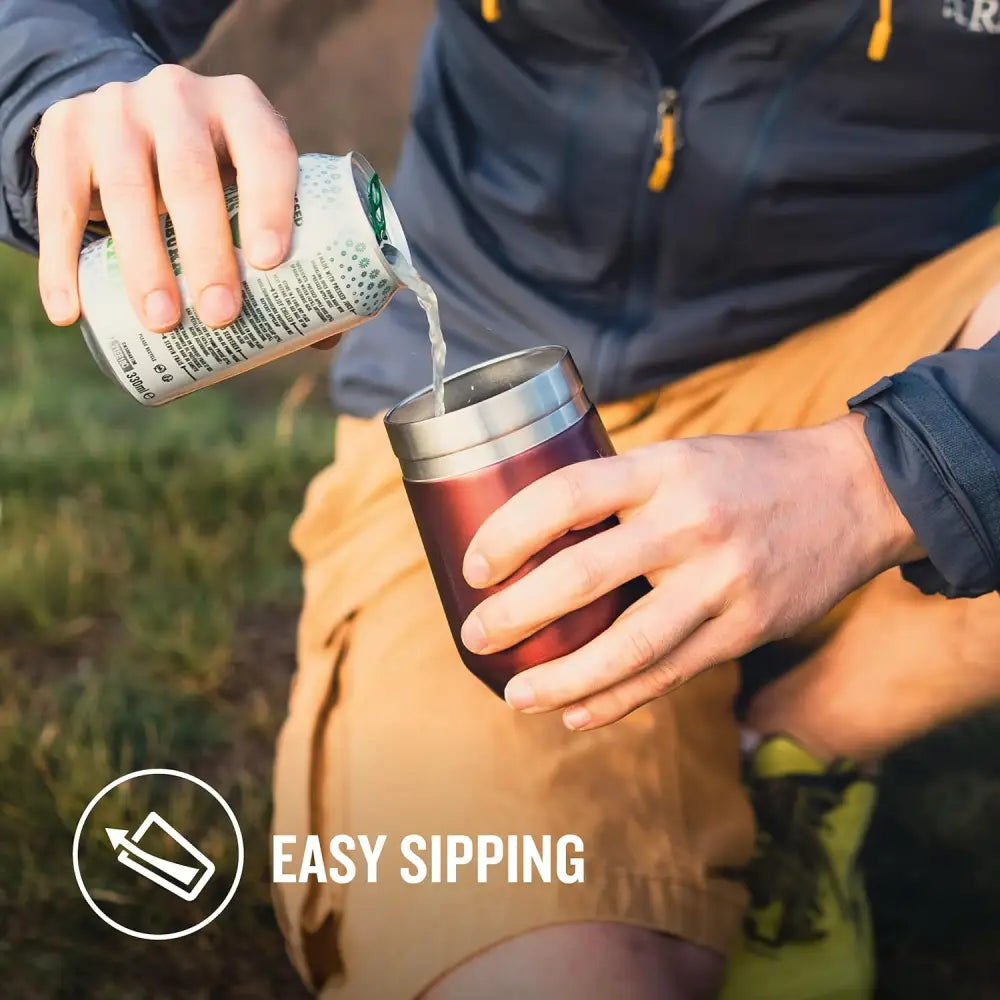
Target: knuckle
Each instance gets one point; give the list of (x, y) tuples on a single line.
[(734, 581), (612, 705), (751, 618), (124, 176), (676, 459), (171, 78), (55, 122), (635, 470), (119, 192), (658, 541), (60, 217), (191, 164), (275, 143), (573, 488), (114, 92), (750, 626), (241, 85), (273, 154), (663, 676), (712, 519), (741, 570), (112, 100), (640, 650), (585, 571)]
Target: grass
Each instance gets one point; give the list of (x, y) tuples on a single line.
[(147, 608), (147, 605)]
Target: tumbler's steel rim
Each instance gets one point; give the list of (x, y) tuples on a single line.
[(497, 409)]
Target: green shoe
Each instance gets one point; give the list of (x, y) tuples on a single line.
[(807, 935)]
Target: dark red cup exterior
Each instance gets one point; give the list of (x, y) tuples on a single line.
[(448, 513)]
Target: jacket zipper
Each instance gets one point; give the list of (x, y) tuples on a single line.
[(637, 301), (668, 139)]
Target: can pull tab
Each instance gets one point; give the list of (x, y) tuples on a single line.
[(376, 209)]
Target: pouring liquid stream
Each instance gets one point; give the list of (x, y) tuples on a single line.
[(427, 298)]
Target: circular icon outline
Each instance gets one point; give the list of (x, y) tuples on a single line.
[(170, 773)]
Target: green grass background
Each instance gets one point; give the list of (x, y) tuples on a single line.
[(147, 608)]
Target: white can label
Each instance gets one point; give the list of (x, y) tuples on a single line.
[(334, 278)]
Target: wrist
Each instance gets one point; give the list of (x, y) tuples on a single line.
[(892, 541)]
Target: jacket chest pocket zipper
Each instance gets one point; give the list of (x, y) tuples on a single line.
[(667, 138)]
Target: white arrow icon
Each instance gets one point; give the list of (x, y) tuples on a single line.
[(182, 880)]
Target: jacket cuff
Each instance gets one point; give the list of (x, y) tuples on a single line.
[(943, 478), (112, 60)]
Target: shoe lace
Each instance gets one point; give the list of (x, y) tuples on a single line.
[(791, 859)]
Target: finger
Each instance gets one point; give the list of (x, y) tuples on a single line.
[(572, 497), (63, 201), (192, 191), (124, 173), (327, 345), (568, 580), (267, 170), (712, 643), (647, 633)]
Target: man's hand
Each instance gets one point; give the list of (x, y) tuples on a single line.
[(744, 539), (168, 142)]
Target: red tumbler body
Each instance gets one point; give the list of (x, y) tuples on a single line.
[(450, 511)]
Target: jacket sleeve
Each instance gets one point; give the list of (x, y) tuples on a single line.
[(935, 431), (54, 49)]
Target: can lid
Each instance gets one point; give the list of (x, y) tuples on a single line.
[(376, 210), (492, 411), (377, 206)]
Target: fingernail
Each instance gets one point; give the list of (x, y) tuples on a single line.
[(473, 634), (267, 249), (58, 305), (217, 305), (576, 718), (159, 309), (476, 570), (518, 694)]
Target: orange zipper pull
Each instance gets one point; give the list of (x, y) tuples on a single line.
[(491, 10), (878, 44), (667, 139)]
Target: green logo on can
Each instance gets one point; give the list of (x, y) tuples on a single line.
[(376, 209)]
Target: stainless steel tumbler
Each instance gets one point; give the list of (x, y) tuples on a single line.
[(507, 423)]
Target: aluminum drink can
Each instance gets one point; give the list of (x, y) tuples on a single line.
[(334, 278)]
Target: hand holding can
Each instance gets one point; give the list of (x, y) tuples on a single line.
[(334, 277), (127, 152)]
